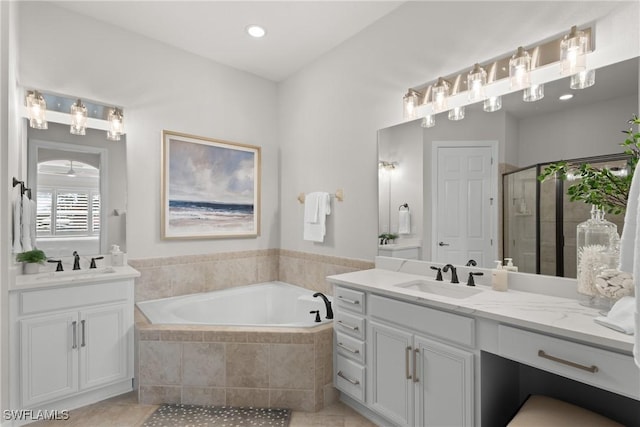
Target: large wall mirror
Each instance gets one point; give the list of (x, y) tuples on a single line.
[(525, 134), (79, 184)]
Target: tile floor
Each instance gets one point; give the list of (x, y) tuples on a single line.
[(125, 411)]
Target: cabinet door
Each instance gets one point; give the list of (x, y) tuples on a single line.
[(49, 357), (390, 367), (103, 343), (444, 384)]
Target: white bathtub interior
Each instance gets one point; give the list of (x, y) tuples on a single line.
[(262, 304)]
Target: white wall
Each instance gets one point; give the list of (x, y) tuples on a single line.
[(160, 87), (329, 112)]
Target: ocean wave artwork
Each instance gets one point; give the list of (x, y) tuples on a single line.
[(201, 217)]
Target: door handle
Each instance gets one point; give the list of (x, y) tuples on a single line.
[(443, 244), (74, 334), (415, 364), (82, 326), (406, 362)]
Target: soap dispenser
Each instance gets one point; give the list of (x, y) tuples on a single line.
[(499, 278), (117, 257), (510, 266)]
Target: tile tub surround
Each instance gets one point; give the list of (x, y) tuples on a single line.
[(188, 274), (235, 366)]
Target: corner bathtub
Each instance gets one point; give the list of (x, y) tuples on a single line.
[(266, 304)]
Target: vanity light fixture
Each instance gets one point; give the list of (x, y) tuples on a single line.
[(116, 124), (410, 103), (456, 113), (533, 93), (36, 109), (78, 118), (520, 69), (428, 121), (439, 95), (491, 104), (476, 81), (583, 79), (573, 52)]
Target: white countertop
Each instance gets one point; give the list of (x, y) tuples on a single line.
[(563, 317), (78, 277)]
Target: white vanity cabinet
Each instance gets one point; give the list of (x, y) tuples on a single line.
[(72, 344)]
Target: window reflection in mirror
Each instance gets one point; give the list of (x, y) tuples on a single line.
[(79, 184)]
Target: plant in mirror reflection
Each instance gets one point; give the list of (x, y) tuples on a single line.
[(604, 187)]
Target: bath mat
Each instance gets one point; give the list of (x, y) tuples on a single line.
[(177, 415)]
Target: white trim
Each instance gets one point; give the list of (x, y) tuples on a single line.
[(493, 145)]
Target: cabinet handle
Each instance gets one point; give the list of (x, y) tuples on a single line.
[(415, 364), (82, 327), (593, 368), (349, 349), (352, 381), (350, 301), (406, 362), (74, 332), (353, 328)]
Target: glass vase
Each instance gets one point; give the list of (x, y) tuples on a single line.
[(598, 246)]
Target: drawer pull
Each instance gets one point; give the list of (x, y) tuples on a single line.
[(352, 381), (593, 368), (353, 328), (350, 301), (415, 364), (349, 349), (406, 362), (74, 334)]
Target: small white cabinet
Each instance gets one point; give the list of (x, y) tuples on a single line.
[(71, 344)]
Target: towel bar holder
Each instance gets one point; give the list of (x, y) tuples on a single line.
[(339, 196)]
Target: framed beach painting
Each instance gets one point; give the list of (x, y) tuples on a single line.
[(210, 188)]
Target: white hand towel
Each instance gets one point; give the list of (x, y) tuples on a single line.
[(404, 222), (315, 232), (17, 224), (628, 243), (621, 316), (26, 223), (312, 207)]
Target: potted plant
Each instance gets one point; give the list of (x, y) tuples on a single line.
[(31, 260), (601, 187), (386, 238)]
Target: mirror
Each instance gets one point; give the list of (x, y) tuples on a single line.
[(79, 184), (526, 134)]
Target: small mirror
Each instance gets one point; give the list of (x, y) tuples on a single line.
[(79, 184)]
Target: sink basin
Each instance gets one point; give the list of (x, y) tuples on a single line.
[(449, 290)]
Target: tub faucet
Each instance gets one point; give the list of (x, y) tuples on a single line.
[(327, 304), (76, 260), (454, 273)]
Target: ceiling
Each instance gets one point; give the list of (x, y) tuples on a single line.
[(298, 32)]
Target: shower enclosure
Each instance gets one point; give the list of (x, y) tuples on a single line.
[(539, 220)]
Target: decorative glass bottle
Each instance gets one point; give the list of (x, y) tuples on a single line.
[(598, 245)]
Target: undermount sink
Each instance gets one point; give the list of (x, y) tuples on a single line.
[(450, 290)]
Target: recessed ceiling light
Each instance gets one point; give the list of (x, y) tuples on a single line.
[(256, 31), (565, 97)]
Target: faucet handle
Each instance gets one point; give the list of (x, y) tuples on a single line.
[(471, 282), (93, 261), (438, 274), (59, 266), (317, 312)]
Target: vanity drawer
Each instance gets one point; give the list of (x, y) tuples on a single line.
[(440, 324), (349, 324), (349, 299), (350, 347), (349, 377), (601, 368)]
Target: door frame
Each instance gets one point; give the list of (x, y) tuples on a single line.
[(493, 145)]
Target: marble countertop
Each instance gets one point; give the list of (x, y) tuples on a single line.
[(562, 317), (78, 277)]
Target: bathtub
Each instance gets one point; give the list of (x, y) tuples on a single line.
[(264, 304)]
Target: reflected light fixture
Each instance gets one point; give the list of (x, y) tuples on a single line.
[(78, 118), (476, 81), (439, 95), (409, 104), (573, 52), (116, 124), (387, 166), (533, 93), (520, 69), (37, 109), (428, 121), (491, 104), (456, 113), (583, 79)]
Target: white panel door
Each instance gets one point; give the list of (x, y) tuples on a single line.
[(444, 385), (103, 345), (49, 357), (391, 386), (464, 205)]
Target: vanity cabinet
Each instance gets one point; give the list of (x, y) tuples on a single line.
[(72, 341)]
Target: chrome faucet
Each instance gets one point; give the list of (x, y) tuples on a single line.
[(454, 273), (327, 304), (76, 260)]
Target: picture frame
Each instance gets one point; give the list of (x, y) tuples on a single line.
[(210, 188)]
